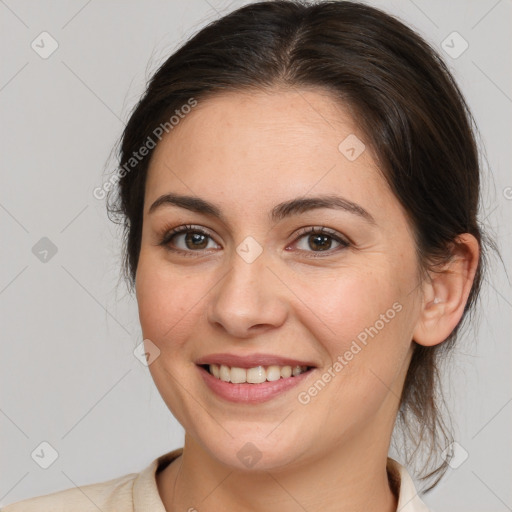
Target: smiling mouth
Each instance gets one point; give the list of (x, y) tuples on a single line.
[(255, 375)]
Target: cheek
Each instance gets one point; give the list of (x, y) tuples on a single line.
[(349, 304), (364, 325), (168, 302)]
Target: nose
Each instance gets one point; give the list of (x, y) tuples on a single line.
[(249, 299)]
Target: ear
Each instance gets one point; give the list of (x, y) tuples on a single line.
[(446, 292)]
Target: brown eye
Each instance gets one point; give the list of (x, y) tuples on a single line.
[(320, 242), (194, 240), (187, 239), (314, 240)]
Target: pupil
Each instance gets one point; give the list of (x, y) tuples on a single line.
[(325, 238), (195, 237)]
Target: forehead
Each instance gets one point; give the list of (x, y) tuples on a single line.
[(266, 146), (274, 120)]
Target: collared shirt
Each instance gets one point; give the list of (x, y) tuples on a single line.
[(138, 492)]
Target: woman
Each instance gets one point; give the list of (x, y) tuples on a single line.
[(299, 188)]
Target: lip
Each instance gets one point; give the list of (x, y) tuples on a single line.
[(251, 361), (251, 393)]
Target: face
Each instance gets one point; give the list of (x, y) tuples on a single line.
[(262, 273)]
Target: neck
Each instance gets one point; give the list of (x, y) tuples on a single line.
[(343, 479)]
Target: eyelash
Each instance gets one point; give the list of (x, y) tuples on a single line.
[(170, 234)]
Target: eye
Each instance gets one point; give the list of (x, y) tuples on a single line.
[(187, 239), (190, 239), (320, 239)]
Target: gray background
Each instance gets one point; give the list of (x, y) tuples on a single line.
[(68, 373)]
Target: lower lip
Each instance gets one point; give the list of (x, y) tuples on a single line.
[(251, 393)]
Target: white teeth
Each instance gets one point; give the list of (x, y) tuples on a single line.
[(225, 373), (286, 371), (214, 368), (273, 373), (238, 375), (255, 375), (296, 370)]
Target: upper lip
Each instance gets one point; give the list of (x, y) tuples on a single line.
[(251, 361)]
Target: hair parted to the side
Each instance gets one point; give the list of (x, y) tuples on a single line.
[(404, 100)]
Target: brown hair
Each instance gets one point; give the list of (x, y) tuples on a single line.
[(406, 103)]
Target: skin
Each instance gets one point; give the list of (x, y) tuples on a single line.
[(247, 152)]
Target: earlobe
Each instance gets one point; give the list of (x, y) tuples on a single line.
[(446, 292)]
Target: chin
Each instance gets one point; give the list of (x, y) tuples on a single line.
[(256, 450)]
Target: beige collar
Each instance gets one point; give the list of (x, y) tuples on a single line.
[(146, 496)]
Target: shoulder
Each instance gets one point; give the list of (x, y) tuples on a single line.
[(128, 493), (111, 495)]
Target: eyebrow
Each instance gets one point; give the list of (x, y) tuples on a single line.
[(279, 212)]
